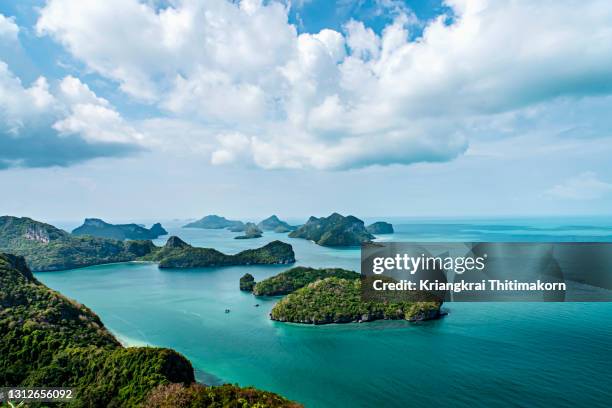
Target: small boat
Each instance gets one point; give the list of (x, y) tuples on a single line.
[(227, 310), (256, 304)]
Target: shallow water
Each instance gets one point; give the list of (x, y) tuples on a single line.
[(480, 355)]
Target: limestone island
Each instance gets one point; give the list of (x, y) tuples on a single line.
[(216, 222), (96, 227), (335, 230), (380, 227), (247, 282), (337, 300), (47, 248), (178, 254), (46, 338), (296, 278), (273, 223), (250, 231)]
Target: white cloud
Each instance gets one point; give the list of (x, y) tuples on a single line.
[(215, 96), (145, 50), (339, 100), (233, 147), (92, 117), (363, 41), (585, 186), (97, 123), (72, 109), (8, 29), (76, 92), (19, 105)]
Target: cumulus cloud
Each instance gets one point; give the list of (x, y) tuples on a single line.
[(8, 29), (585, 186), (40, 126), (92, 117), (334, 100)]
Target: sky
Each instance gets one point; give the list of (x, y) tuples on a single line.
[(130, 110)]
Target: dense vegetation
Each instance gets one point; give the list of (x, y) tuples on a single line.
[(226, 396), (97, 228), (215, 222), (335, 300), (47, 339), (273, 223), (178, 254), (48, 248), (298, 277), (247, 282), (380, 227), (335, 230), (250, 231)]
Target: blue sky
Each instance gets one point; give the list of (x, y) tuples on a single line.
[(173, 109)]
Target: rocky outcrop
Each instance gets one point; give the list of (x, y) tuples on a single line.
[(175, 242), (158, 230), (96, 227), (335, 230), (247, 282), (37, 234), (214, 222), (273, 223), (380, 227)]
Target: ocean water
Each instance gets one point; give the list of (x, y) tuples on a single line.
[(479, 355)]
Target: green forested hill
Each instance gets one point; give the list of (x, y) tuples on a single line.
[(336, 300), (48, 248), (178, 254), (335, 230), (49, 340), (298, 277)]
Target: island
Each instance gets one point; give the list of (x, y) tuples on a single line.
[(178, 254), (250, 231), (48, 339), (337, 300), (96, 227), (380, 227), (273, 223), (48, 248), (335, 230), (298, 277), (247, 282), (157, 230), (215, 222)]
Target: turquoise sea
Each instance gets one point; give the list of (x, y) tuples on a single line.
[(479, 355)]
